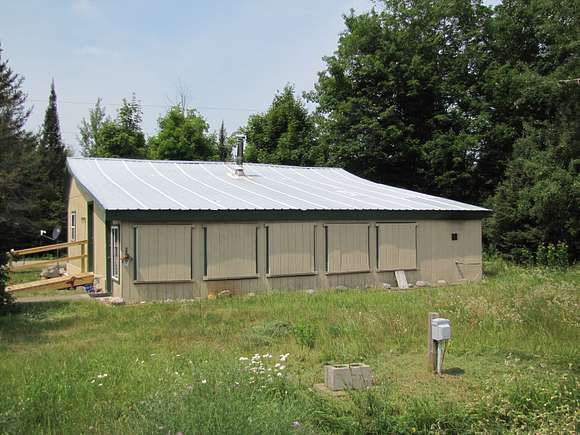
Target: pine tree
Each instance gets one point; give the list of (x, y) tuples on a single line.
[(53, 153), (20, 209), (223, 149)]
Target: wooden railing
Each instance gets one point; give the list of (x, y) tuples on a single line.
[(15, 255)]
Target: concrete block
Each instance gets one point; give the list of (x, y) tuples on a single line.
[(387, 286), (441, 282), (337, 377), (422, 284), (347, 376), (361, 375)]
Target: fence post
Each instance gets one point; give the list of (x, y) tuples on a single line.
[(83, 268)]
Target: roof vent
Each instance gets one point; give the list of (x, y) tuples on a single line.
[(239, 170)]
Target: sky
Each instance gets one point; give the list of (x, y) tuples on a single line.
[(230, 57)]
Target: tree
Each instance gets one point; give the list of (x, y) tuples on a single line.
[(20, 169), (284, 134), (539, 199), (123, 136), (398, 101), (182, 135), (223, 148), (89, 129), (53, 155)]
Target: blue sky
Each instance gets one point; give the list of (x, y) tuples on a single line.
[(231, 56)]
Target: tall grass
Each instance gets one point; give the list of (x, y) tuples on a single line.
[(175, 367)]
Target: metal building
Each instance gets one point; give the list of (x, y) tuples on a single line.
[(172, 230)]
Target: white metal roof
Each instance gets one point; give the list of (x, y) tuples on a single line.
[(124, 184)]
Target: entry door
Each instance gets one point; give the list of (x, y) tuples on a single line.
[(90, 236)]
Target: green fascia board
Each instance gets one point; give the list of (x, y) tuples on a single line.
[(291, 215)]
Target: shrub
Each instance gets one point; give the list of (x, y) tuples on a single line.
[(305, 334), (553, 256)]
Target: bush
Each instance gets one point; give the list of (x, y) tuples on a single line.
[(305, 334), (553, 256)]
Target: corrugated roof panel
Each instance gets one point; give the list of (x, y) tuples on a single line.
[(125, 184)]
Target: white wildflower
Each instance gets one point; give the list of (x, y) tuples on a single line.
[(204, 381)]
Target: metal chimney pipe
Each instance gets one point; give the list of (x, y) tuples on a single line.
[(240, 149)]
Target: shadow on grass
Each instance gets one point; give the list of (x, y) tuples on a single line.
[(454, 371), (32, 322)]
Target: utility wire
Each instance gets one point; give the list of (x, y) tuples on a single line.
[(164, 106)]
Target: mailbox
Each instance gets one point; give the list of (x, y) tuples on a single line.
[(440, 329)]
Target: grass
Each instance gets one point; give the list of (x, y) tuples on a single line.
[(513, 363)]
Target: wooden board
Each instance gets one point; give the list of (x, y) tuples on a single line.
[(60, 283), (46, 248), (35, 264), (401, 279)]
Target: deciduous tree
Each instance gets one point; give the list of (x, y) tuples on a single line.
[(284, 134), (183, 135)]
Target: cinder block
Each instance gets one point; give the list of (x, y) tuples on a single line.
[(337, 377), (361, 376), (347, 376)]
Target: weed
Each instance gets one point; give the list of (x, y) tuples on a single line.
[(305, 334)]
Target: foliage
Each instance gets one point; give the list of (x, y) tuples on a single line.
[(53, 154), (21, 172), (555, 256), (284, 134), (89, 129), (182, 135), (431, 95), (224, 150), (6, 299), (305, 334), (122, 136), (61, 374), (539, 200)]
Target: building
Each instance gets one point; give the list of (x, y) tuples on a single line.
[(169, 230)]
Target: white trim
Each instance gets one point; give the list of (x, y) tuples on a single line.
[(73, 226), (115, 228)]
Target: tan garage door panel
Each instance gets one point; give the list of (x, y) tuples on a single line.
[(397, 246), (347, 248), (163, 253), (290, 248), (231, 250)]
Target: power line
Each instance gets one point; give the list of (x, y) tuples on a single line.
[(163, 106)]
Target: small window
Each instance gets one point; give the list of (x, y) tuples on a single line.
[(453, 236), (73, 226), (115, 253)]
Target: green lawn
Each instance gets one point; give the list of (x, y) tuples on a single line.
[(164, 368)]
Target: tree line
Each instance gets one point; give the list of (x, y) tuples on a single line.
[(449, 97)]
